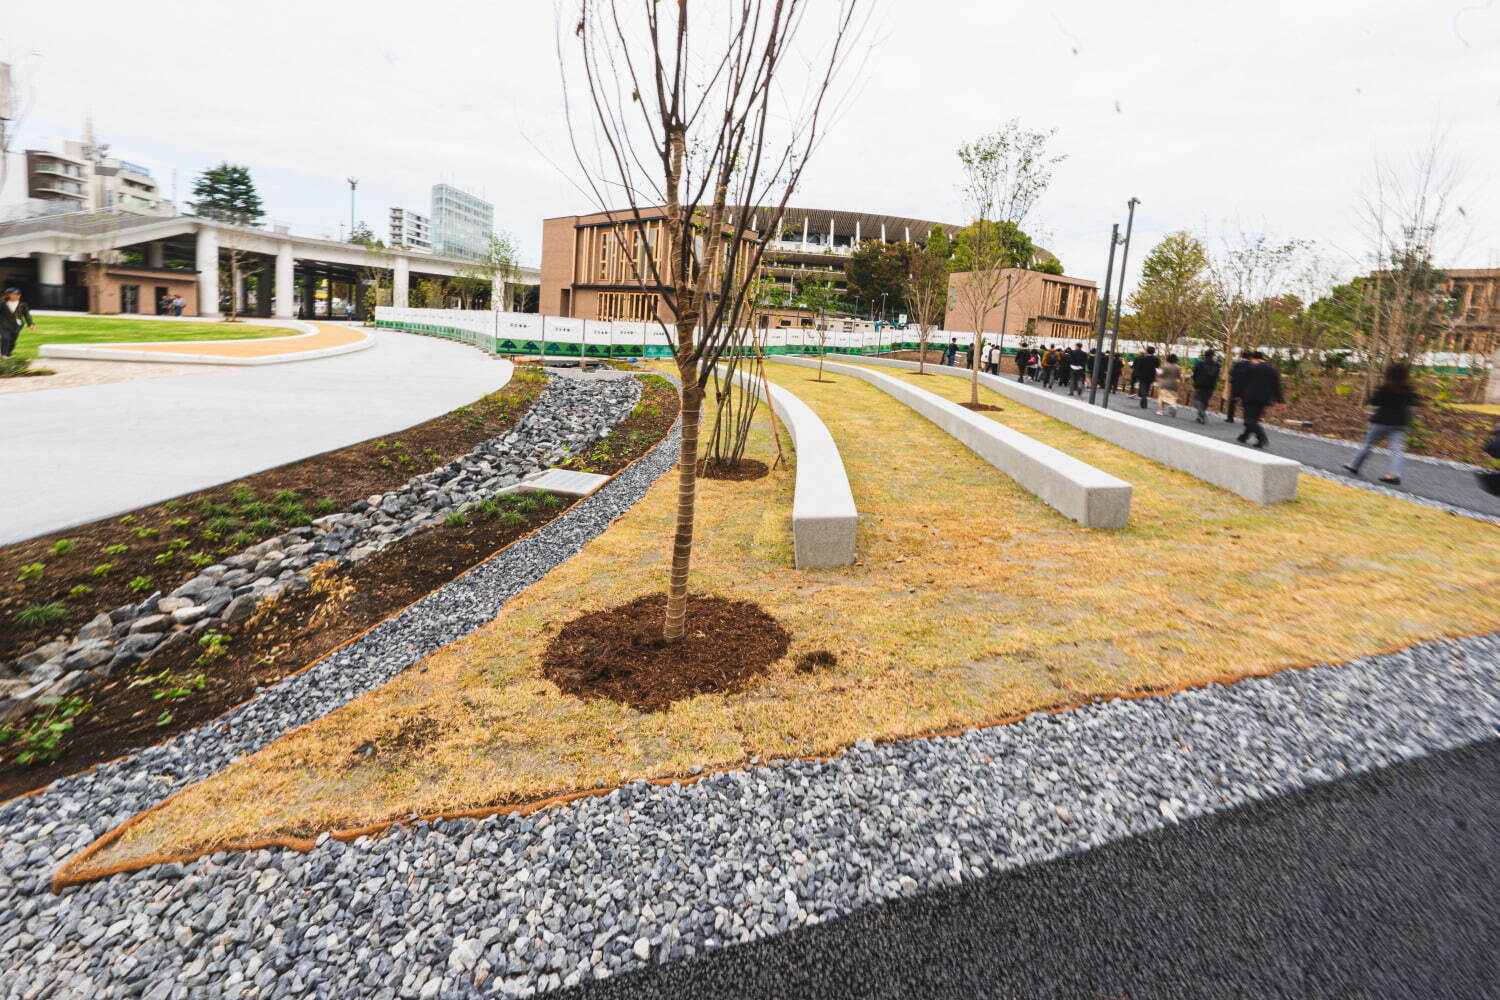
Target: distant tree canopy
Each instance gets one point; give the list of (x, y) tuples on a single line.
[(1015, 248), (1174, 297), (878, 269), (365, 237), (226, 193)]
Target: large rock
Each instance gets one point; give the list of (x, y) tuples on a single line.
[(188, 615), (168, 605), (89, 654), (41, 655), (98, 627), (150, 623)]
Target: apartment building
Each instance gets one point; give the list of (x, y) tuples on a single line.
[(410, 231)]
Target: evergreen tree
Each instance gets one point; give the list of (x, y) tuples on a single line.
[(226, 193)]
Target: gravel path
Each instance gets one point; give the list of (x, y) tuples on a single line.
[(513, 905), (1375, 886)]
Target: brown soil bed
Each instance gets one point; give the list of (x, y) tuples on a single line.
[(619, 654), (746, 470), (166, 543), (981, 407)]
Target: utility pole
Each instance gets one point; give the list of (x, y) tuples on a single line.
[(1114, 342), (353, 183), (1004, 318), (1109, 274)]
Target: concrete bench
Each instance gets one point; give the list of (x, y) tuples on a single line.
[(1254, 475), (1075, 489), (824, 519)]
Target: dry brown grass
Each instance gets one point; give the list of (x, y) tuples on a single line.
[(972, 602)]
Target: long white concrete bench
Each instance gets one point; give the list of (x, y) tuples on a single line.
[(824, 518), (1254, 475), (1075, 489)]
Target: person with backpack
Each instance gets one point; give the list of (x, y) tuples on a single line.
[(1051, 358), (1260, 389), (1390, 420), (951, 352), (1143, 373), (1205, 379)]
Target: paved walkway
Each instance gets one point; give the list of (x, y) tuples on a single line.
[(74, 455), (1428, 480), (1375, 886)]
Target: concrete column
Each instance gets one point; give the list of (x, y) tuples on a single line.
[(208, 271), (499, 294), (399, 297), (156, 254), (241, 291), (286, 295), (49, 268)]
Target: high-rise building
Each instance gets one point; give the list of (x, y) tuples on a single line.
[(410, 231), (83, 177), (461, 223)]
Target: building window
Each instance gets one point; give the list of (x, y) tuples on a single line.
[(634, 307), (1062, 301)]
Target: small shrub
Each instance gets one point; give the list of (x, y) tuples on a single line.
[(82, 590), (210, 536), (285, 497), (103, 569), (512, 519), (178, 544), (31, 571), (144, 532), (42, 615), (15, 366), (240, 539), (457, 519), (171, 506), (41, 738), (116, 550), (241, 493), (200, 559), (255, 509), (262, 526), (223, 523), (128, 519), (211, 508), (385, 463), (162, 558), (381, 446), (213, 643), (165, 718), (487, 508), (327, 505), (139, 585), (62, 546), (549, 499), (179, 523)]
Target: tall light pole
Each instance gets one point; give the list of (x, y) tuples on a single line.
[(1109, 274), (1004, 319), (353, 183), (1114, 340)]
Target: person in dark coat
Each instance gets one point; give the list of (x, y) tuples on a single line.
[(1075, 368), (1260, 389), (1205, 378), (1116, 368), (1391, 420), (1023, 361), (951, 352), (1143, 373), (1237, 383), (14, 317), (1489, 479)]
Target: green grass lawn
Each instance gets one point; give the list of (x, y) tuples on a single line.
[(108, 330)]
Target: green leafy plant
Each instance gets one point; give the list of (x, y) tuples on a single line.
[(165, 718), (178, 544), (162, 558), (103, 569), (31, 571), (139, 585), (116, 550), (128, 519), (241, 493), (325, 506), (223, 523), (385, 463), (41, 615), (487, 508), (512, 519), (41, 736), (214, 645), (240, 539), (81, 590), (255, 509), (171, 506), (144, 532), (179, 523), (285, 497), (457, 519), (62, 546), (201, 559), (262, 526), (212, 508)]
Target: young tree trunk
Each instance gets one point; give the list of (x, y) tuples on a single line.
[(974, 350), (687, 493), (922, 351)]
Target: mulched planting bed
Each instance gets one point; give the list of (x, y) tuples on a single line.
[(296, 630), (982, 407), (746, 470), (52, 585), (619, 654)]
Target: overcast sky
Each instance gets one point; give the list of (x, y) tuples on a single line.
[(1216, 115)]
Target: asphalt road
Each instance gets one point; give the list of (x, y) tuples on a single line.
[(1384, 885)]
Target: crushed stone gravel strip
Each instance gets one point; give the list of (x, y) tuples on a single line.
[(1386, 491), (515, 905)]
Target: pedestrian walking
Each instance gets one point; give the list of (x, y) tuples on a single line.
[(1237, 382), (1116, 368), (1261, 388), (951, 352), (14, 316), (177, 305), (1023, 361), (1205, 379), (1076, 363), (1489, 479), (1167, 384), (1143, 372), (1051, 358), (1390, 420)]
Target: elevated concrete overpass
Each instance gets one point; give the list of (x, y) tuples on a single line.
[(274, 266)]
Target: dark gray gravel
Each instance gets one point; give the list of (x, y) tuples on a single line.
[(1376, 886), (513, 905)]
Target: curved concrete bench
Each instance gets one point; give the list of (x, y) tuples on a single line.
[(1254, 475), (1075, 489), (824, 518), (313, 342)]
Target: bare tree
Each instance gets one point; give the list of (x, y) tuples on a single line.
[(1244, 278), (707, 130), (926, 295), (1005, 174)]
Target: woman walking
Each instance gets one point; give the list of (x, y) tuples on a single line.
[(1390, 421), (1168, 381)]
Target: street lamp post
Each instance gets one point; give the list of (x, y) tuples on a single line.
[(1109, 274), (1004, 319), (353, 183), (1114, 341)]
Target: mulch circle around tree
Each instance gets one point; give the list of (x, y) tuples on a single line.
[(982, 407), (746, 470), (618, 653), (825, 381)]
